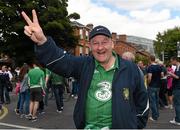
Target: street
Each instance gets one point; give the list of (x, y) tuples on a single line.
[(53, 120)]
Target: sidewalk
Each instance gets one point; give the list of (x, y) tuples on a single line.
[(163, 122), (53, 120)]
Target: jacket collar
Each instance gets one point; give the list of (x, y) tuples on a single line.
[(122, 64)]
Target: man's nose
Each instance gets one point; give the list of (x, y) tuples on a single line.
[(100, 46)]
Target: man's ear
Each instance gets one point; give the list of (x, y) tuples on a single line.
[(112, 44)]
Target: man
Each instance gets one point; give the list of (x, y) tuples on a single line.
[(58, 83), (128, 56), (4, 85), (36, 82), (163, 88), (111, 93), (140, 64), (142, 67), (154, 82), (176, 90)]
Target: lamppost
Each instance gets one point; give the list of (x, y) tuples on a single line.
[(162, 52), (178, 49)]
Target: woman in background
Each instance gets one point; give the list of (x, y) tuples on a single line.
[(24, 90)]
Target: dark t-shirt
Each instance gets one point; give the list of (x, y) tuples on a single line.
[(176, 82), (4, 78), (155, 70)]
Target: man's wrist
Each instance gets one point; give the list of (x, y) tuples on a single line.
[(44, 39)]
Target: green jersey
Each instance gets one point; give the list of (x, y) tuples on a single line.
[(56, 79), (99, 102), (36, 78)]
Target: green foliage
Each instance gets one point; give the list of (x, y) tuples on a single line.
[(53, 17), (167, 42), (74, 16)]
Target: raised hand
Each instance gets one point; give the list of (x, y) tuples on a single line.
[(33, 29)]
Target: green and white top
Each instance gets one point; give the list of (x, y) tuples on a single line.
[(99, 98)]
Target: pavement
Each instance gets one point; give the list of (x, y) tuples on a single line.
[(53, 120)]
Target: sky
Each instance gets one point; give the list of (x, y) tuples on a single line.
[(144, 18)]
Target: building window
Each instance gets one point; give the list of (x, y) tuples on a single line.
[(87, 35), (117, 37), (87, 50), (81, 33), (80, 50)]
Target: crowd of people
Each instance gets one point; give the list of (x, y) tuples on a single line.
[(41, 81), (32, 87), (162, 82)]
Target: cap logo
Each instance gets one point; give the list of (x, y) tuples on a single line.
[(99, 29)]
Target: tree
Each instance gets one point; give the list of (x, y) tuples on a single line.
[(166, 43), (53, 17)]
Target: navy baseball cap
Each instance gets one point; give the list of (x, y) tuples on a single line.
[(99, 30)]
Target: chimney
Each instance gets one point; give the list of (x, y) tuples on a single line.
[(90, 26), (114, 35)]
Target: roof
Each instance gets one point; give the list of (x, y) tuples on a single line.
[(77, 24)]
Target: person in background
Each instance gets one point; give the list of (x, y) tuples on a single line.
[(17, 71), (24, 91), (128, 56), (36, 79), (1, 86), (144, 71), (176, 90), (163, 87), (9, 71), (58, 84), (17, 92), (131, 57), (154, 82), (169, 87), (4, 84)]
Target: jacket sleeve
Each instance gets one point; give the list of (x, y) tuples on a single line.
[(58, 60), (141, 100)]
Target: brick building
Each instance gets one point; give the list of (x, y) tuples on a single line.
[(120, 41), (121, 46), (140, 42), (82, 32)]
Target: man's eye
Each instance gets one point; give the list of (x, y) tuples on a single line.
[(104, 42), (95, 43)]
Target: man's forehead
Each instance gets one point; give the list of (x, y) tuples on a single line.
[(100, 37)]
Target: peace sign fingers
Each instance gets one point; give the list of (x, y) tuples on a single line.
[(27, 19), (33, 29), (35, 19)]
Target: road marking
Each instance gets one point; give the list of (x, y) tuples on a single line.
[(3, 112), (18, 126)]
